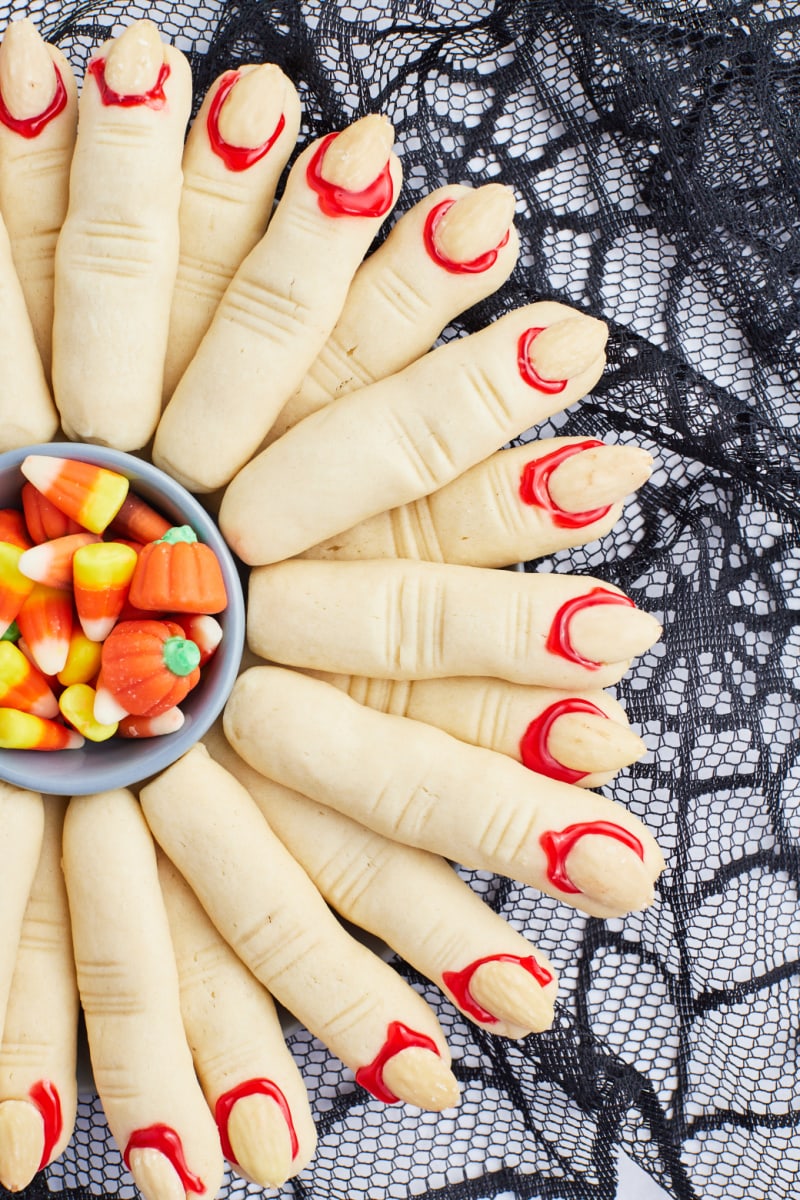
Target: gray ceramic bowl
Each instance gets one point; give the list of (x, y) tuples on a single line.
[(120, 762)]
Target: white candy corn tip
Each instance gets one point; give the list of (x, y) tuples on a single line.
[(42, 470), (97, 629), (146, 727), (50, 654), (106, 710)]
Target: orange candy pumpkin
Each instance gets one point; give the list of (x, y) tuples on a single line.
[(178, 574), (149, 666)]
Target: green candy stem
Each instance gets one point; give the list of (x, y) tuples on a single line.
[(180, 655), (179, 533)]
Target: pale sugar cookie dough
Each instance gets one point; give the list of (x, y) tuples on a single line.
[(38, 1048), (38, 124), (402, 619), (22, 823), (118, 250), (249, 1078), (416, 784), (578, 737), (450, 250), (413, 901), (280, 306), (267, 908), (411, 433), (522, 503), (129, 991), (27, 412), (237, 148)]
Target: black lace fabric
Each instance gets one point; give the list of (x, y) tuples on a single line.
[(655, 153)]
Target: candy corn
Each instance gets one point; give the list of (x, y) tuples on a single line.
[(77, 706), (83, 660), (203, 630), (43, 520), (107, 708), (51, 562), (25, 731), (45, 621), (138, 521), (91, 495), (14, 586), (13, 529), (102, 574), (145, 727), (22, 686)]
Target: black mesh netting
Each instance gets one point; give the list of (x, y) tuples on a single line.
[(655, 154)]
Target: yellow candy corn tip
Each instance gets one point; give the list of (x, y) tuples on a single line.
[(83, 660), (25, 731), (77, 706), (11, 578)]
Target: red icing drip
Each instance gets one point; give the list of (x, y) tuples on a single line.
[(398, 1037), (167, 1142), (558, 844), (534, 486), (155, 98), (459, 983), (250, 1087), (373, 201), (527, 370), (236, 158), (31, 127), (533, 744), (475, 265), (558, 639), (44, 1095)]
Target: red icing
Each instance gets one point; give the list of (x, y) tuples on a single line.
[(373, 201), (236, 158), (398, 1037), (475, 265), (533, 744), (559, 640), (31, 127), (557, 845), (459, 982), (527, 370), (534, 485), (167, 1142), (154, 98), (45, 1097), (250, 1087)]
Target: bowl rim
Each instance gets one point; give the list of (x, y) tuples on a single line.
[(134, 761)]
